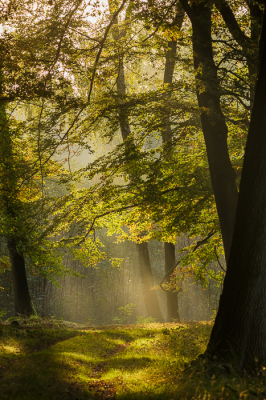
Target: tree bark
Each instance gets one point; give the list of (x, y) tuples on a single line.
[(10, 207), (171, 297), (239, 332), (150, 297), (22, 299), (212, 119)]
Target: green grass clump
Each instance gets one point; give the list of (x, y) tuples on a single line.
[(59, 361)]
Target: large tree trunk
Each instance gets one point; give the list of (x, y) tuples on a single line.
[(239, 332), (22, 300), (212, 120), (150, 297), (9, 208)]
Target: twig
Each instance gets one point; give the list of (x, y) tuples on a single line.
[(218, 260), (199, 243), (86, 36), (63, 34)]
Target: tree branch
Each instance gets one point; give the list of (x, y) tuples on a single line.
[(220, 265), (232, 24), (198, 244), (188, 10)]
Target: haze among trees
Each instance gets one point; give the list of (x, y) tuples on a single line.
[(132, 164)]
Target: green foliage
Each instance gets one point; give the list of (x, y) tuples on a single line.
[(124, 313), (2, 314), (4, 263), (142, 320), (60, 104)]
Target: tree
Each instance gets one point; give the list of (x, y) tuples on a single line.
[(169, 248), (240, 327), (212, 119), (10, 206), (25, 162), (150, 296)]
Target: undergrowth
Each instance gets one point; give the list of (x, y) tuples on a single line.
[(55, 360)]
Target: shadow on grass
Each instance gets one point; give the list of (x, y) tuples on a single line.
[(40, 377), (45, 374), (94, 364), (189, 341), (61, 371)]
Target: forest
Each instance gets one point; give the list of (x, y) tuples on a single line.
[(132, 199)]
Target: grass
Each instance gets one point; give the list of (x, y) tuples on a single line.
[(52, 360)]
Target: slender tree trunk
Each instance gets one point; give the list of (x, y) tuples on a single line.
[(171, 297), (169, 248), (239, 332), (150, 297), (212, 119)]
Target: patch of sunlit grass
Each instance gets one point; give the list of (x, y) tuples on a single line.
[(149, 364), (9, 349), (135, 360), (130, 362)]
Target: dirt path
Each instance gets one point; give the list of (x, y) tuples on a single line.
[(102, 389)]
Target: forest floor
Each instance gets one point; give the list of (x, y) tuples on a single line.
[(55, 360)]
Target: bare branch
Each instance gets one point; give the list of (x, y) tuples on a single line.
[(83, 34), (63, 34), (217, 258), (232, 24), (201, 242)]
